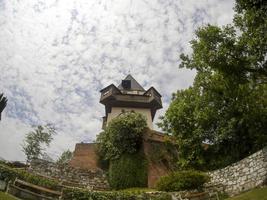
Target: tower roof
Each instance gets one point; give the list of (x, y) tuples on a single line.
[(134, 84), (130, 94)]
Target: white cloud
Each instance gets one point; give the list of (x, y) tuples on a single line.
[(57, 54), (12, 135)]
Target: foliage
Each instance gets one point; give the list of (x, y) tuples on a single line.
[(226, 106), (138, 190), (122, 135), (182, 180), (221, 113), (65, 157), (46, 157), (10, 174), (3, 102), (238, 50), (35, 140), (251, 20), (130, 170), (13, 164), (165, 153), (78, 194), (119, 150)]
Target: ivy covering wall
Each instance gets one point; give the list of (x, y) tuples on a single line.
[(70, 194), (120, 149), (10, 174), (130, 170)]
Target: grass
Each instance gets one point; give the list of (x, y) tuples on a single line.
[(256, 194), (4, 196)]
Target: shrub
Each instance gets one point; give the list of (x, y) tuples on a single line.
[(79, 194), (14, 164), (120, 151), (64, 158), (9, 174), (183, 180), (130, 170), (123, 135)]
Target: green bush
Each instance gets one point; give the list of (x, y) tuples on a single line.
[(79, 194), (130, 170), (120, 151), (122, 135), (183, 180), (10, 174), (15, 164)]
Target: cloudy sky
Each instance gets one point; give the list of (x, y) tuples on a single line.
[(57, 54)]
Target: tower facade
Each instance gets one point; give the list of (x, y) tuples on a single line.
[(130, 96)]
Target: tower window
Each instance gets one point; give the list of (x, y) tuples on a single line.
[(126, 84)]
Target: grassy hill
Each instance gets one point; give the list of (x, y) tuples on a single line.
[(256, 194), (4, 196)]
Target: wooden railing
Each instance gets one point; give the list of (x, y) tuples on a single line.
[(25, 190)]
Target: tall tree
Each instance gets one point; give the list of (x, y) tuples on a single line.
[(3, 103), (232, 118), (36, 141), (238, 50), (251, 20), (227, 104)]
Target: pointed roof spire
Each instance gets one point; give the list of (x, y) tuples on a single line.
[(134, 84)]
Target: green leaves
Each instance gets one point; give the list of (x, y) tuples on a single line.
[(130, 170), (3, 103), (79, 194), (36, 140), (65, 157), (227, 105), (222, 113), (120, 145), (10, 174), (182, 180), (238, 55), (123, 135)]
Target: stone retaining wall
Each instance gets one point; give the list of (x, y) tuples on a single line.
[(241, 176), (192, 195), (70, 176)]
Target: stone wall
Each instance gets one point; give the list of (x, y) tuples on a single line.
[(193, 195), (70, 176), (241, 176)]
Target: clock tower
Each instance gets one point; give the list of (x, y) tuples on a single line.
[(130, 96)]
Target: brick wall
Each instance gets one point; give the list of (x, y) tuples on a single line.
[(85, 157), (160, 160)]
